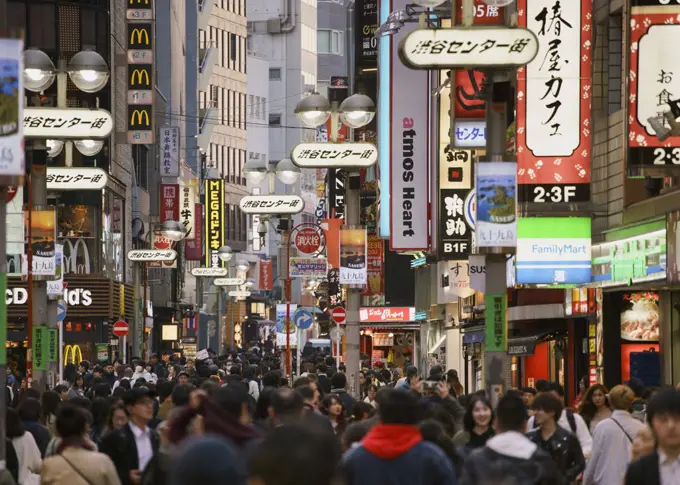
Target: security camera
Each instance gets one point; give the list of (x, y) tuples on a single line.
[(262, 229)]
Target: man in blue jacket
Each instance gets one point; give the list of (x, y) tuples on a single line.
[(393, 452)]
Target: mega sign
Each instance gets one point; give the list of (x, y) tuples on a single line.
[(214, 221), (387, 314), (72, 296)]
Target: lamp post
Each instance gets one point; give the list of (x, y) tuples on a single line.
[(89, 72), (288, 173), (354, 111), (174, 231)]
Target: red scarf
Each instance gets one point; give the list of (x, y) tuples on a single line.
[(388, 441)]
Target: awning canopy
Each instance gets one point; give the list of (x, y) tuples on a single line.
[(525, 345)]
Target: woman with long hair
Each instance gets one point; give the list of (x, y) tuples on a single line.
[(361, 411), (332, 407), (100, 414), (118, 418), (371, 392), (27, 451), (477, 424), (595, 406), (51, 402), (77, 388)]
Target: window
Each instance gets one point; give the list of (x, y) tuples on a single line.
[(323, 39), (243, 111), (233, 48), (251, 108), (308, 38), (257, 107), (275, 119), (213, 96), (223, 106), (224, 50), (274, 73), (338, 43), (264, 108)]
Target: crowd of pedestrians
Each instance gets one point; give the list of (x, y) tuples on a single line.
[(235, 419)]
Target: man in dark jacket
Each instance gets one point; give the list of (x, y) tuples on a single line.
[(510, 457), (339, 387), (393, 452), (323, 379)]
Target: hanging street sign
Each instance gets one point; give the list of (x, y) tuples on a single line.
[(152, 255), (239, 294), (76, 178), (67, 123), (309, 239), (229, 281), (334, 155), (272, 204), (467, 48), (209, 272)]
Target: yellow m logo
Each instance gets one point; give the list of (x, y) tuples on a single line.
[(140, 34), (138, 115), (74, 353), (139, 2), (140, 77)]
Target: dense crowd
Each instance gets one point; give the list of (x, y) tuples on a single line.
[(234, 419)]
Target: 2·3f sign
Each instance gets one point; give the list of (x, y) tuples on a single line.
[(555, 193)]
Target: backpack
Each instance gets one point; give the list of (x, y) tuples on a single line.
[(570, 419)]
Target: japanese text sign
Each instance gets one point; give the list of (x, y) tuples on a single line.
[(43, 239), (193, 248), (169, 150), (338, 155), (187, 210), (353, 262), (69, 123), (12, 92), (496, 309), (456, 223), (39, 347), (169, 209), (554, 94), (76, 178), (455, 169), (165, 259), (654, 81), (387, 314), (375, 266), (469, 94), (470, 133), (454, 281), (152, 255), (496, 211), (307, 267), (214, 221), (483, 14), (272, 204), (458, 47), (140, 77), (266, 274), (366, 12)]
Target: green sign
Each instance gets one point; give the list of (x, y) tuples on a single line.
[(52, 347), (39, 347), (496, 322), (3, 319), (102, 351)]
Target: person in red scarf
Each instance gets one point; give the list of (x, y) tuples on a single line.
[(393, 452)]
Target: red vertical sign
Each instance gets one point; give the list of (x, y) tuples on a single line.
[(266, 275), (375, 266), (193, 248), (169, 209)]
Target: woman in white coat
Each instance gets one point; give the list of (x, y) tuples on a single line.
[(26, 448)]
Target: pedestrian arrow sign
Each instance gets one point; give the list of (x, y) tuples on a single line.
[(302, 319), (61, 310)]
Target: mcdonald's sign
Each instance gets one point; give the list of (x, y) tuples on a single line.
[(140, 36), (72, 355), (140, 77), (140, 118)]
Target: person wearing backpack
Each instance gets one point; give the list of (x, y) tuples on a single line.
[(569, 420), (613, 441)]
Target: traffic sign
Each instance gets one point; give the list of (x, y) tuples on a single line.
[(120, 328), (339, 315), (308, 240), (302, 319), (61, 310)]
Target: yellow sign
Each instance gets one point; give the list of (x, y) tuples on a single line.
[(139, 2), (139, 37), (138, 115), (139, 78), (214, 216), (73, 355), (122, 299)]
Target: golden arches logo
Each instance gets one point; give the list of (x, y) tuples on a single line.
[(139, 115), (141, 77), (140, 34), (139, 2), (75, 354)]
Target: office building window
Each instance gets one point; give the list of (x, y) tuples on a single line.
[(243, 111), (225, 49), (330, 42), (233, 48), (264, 108), (251, 107), (275, 119), (223, 106), (257, 107), (274, 73), (233, 163), (237, 112), (201, 99)]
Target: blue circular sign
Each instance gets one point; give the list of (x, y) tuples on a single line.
[(61, 311), (303, 319)]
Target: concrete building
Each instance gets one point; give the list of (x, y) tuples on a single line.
[(331, 40)]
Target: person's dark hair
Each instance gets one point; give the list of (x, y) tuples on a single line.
[(271, 379), (61, 388), (125, 384), (15, 427), (511, 414), (30, 393), (398, 406), (437, 412), (180, 394), (468, 420), (310, 456), (81, 402), (72, 422), (529, 390), (555, 387), (338, 381), (306, 392), (101, 389), (541, 385), (434, 432), (547, 402), (50, 401), (321, 368), (250, 372), (235, 370), (165, 390), (287, 404), (231, 399), (637, 386), (411, 372), (302, 382), (586, 408), (263, 402), (354, 433), (98, 368), (362, 409), (665, 401), (30, 410), (100, 412), (118, 392), (112, 411)]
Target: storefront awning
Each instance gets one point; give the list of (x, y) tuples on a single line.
[(525, 345)]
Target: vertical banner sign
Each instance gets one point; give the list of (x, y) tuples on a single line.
[(266, 274), (353, 263), (214, 222), (39, 347), (495, 322), (193, 248), (654, 80), (43, 242), (375, 266), (3, 318), (11, 107), (169, 150), (334, 288), (169, 202), (15, 231), (140, 72), (52, 345), (187, 210), (408, 149), (554, 94), (366, 12), (496, 219)]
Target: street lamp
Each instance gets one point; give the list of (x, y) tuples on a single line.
[(89, 148), (225, 253), (39, 71), (429, 3), (356, 111), (242, 265), (313, 110), (255, 171), (54, 148), (249, 283), (88, 71), (173, 230), (287, 171)]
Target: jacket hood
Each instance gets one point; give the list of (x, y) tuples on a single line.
[(389, 441), (512, 444)]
